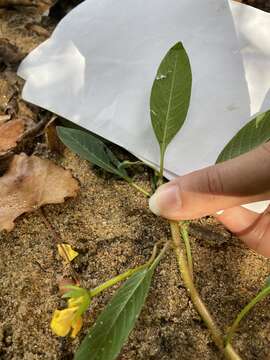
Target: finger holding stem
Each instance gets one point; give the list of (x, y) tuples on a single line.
[(185, 263)]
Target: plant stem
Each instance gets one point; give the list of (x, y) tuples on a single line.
[(127, 273), (128, 163), (161, 167), (115, 280), (260, 296), (185, 237), (185, 270), (229, 352), (146, 193)]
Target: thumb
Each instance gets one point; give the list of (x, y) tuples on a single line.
[(241, 180)]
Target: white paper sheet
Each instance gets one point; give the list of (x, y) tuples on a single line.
[(98, 67), (253, 30)]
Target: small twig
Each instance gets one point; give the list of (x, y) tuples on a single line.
[(56, 238), (38, 128), (38, 264)]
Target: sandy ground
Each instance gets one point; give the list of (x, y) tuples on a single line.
[(109, 224)]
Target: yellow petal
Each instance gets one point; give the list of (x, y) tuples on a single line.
[(76, 327), (75, 302), (62, 321), (66, 252)]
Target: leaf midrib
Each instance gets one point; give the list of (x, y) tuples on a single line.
[(163, 147)]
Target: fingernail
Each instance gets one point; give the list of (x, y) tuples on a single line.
[(166, 201), (220, 212)]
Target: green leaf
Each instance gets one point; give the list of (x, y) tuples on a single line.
[(69, 124), (253, 134), (114, 324), (91, 148), (128, 164), (74, 291), (170, 96), (267, 282)]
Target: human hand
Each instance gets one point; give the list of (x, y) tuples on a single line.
[(224, 186)]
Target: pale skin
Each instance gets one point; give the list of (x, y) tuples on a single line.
[(224, 186)]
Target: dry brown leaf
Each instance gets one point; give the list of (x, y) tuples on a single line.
[(7, 90), (4, 118), (25, 111), (41, 5), (10, 133), (29, 183), (9, 53), (7, 3), (39, 30), (13, 27), (52, 139)]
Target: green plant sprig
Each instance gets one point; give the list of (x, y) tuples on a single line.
[(106, 338), (167, 118), (169, 103), (265, 291), (109, 283)]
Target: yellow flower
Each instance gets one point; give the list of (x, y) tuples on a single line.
[(75, 302), (76, 327), (69, 319), (65, 320), (66, 252)]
